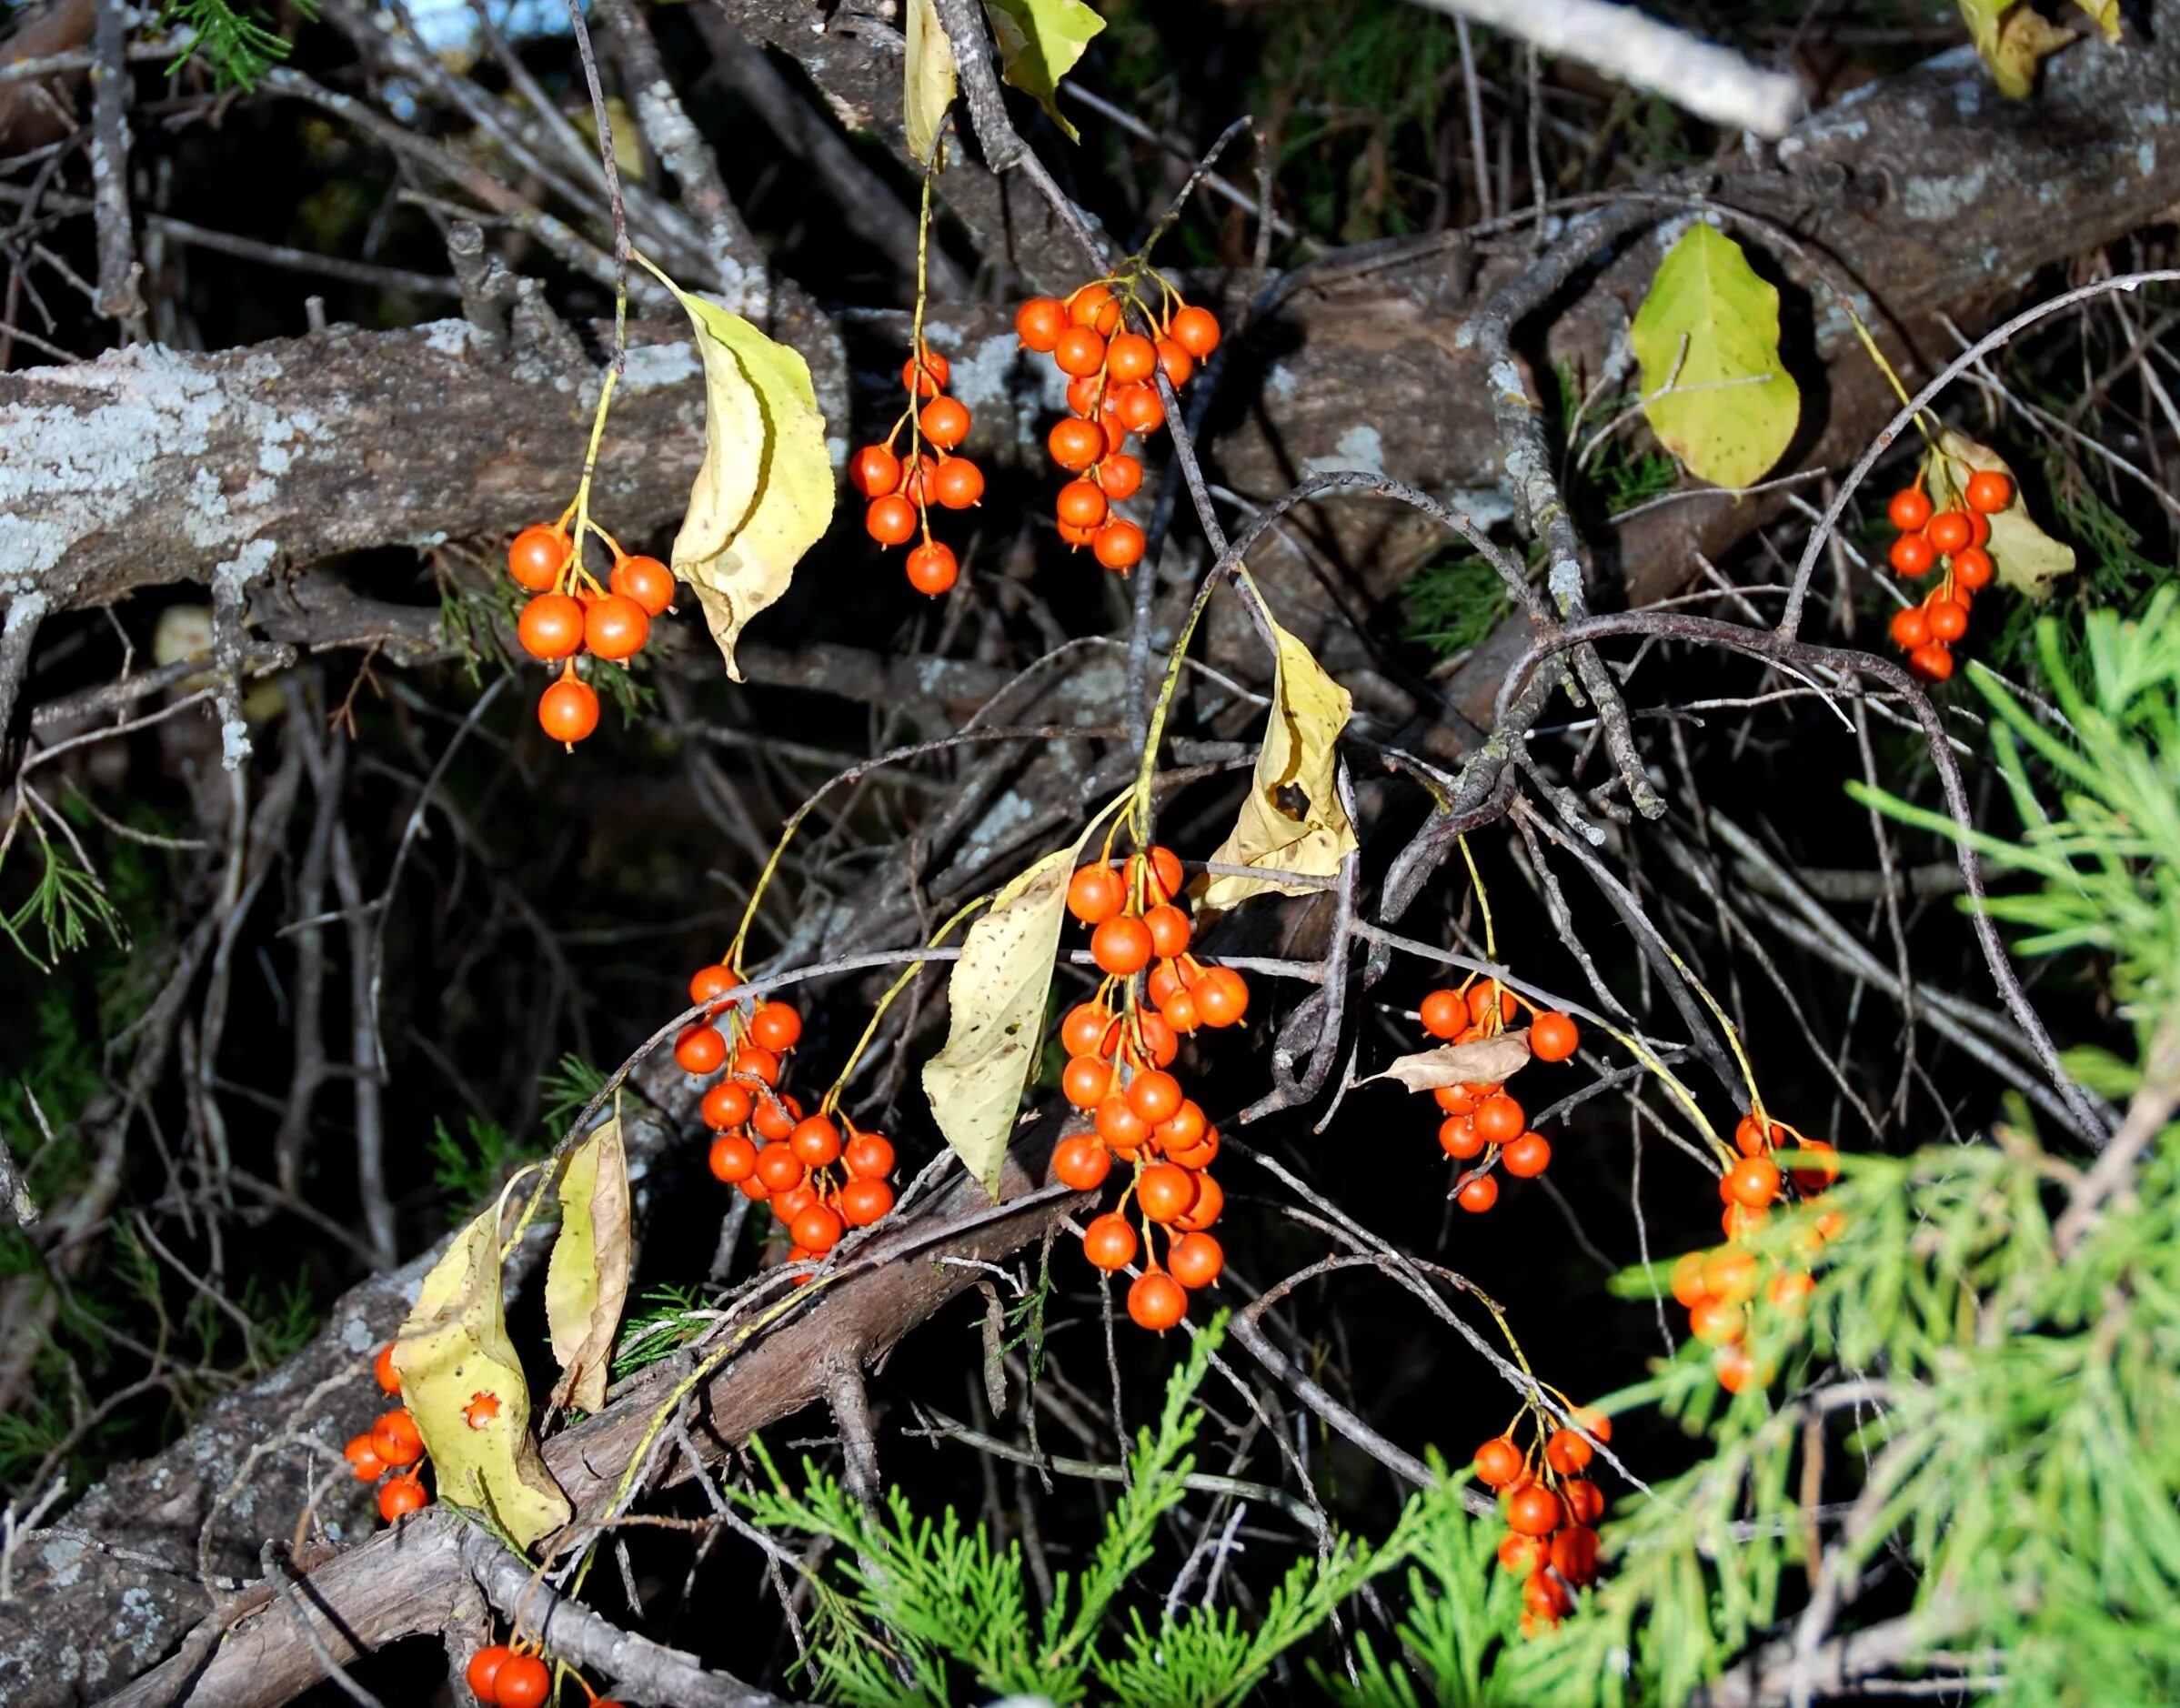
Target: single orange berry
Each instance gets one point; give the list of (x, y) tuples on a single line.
[(1458, 1138), (775, 1025), (484, 1667), (1156, 1301), (536, 558), (1910, 509), (1528, 1157), (1155, 1096), (1972, 568), (1093, 305), (1195, 1260), (931, 568), (1910, 628), (1948, 619), (1130, 357), (1533, 1510), (1120, 1125), (1039, 323), (733, 1158), (1086, 1081), (383, 1371), (890, 520), (1567, 1452), (1554, 1037), (1499, 1119), (1948, 531), (700, 1050), (1933, 663), (551, 626), (646, 581), (1211, 1197), (1222, 997), (616, 627), (1169, 929), (1118, 544), (869, 1156), (816, 1143), (874, 471), (1177, 362), (1082, 1162), (393, 1438), (863, 1203), (1913, 554), (1121, 945), (945, 422), (1195, 330), (1989, 490), (525, 1682), (1165, 1192), (1498, 1463), (1139, 408), (567, 711), (1109, 1242), (399, 1496), (1079, 352), (956, 483), (1444, 1013), (1479, 1195), (818, 1229), (1119, 476), (1754, 1182), (929, 378)]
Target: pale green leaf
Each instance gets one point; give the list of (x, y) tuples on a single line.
[(1040, 42), (1713, 389), (764, 493), (995, 1029), (1291, 819), (587, 1278), (928, 88), (2026, 557), (452, 1353)]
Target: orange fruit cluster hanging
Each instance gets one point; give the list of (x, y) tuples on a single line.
[(900, 490), (516, 1675), (1551, 1511), (1111, 395), (1718, 1287), (1952, 541), (1121, 1048), (391, 1445), (571, 614), (818, 1179), (1482, 1125)]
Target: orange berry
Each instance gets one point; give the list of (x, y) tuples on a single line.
[(1211, 1197), (567, 711), (1522, 1555), (1586, 1500), (1731, 1275), (1139, 408), (1039, 323), (399, 1496), (1715, 1323), (816, 1143), (863, 1203), (536, 556), (551, 626), (1910, 628), (484, 1667), (818, 1229), (1121, 945), (1754, 1182), (1528, 1157), (929, 378), (1989, 490), (700, 1050), (1080, 352), (1081, 503), (1734, 1366), (869, 1156), (874, 471), (1910, 509), (1499, 1119), (733, 1158), (616, 627), (1553, 1037), (1075, 444), (1155, 1095), (1913, 554), (1156, 1301), (643, 580), (1119, 476), (779, 1168), (1165, 1192), (1184, 1130), (1082, 1030), (945, 422), (1933, 663), (1533, 1510), (1498, 1463), (890, 520), (1458, 1138), (383, 1371), (1479, 1195), (1169, 928), (1973, 568), (1082, 1162), (775, 1026), (1948, 619), (776, 1117), (1086, 1081), (1120, 1125), (1109, 1242), (1093, 305), (1118, 544), (1130, 357), (1222, 997), (1567, 1452), (753, 1061), (1575, 1554), (1949, 530), (393, 1438), (931, 568), (1444, 1013), (525, 1682), (1688, 1289), (1195, 330), (956, 483), (1177, 362), (1816, 1165), (1195, 1260)]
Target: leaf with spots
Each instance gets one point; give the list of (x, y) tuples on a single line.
[(453, 1349), (764, 493), (1707, 336), (586, 1279), (1291, 819), (2025, 556), (928, 88), (997, 996), (1040, 42)]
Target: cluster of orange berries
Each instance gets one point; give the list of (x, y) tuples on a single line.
[(391, 1444), (1480, 1119), (1121, 1048), (762, 1141), (1552, 1512), (570, 614), (1111, 393), (1926, 632), (503, 1675), (901, 492), (1717, 1287)]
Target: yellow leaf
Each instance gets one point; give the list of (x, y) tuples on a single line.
[(2014, 38), (764, 495), (453, 1349), (586, 1279), (1040, 42), (1488, 1060), (2026, 559), (1293, 819), (929, 88), (2104, 15), (995, 1029), (1707, 336)]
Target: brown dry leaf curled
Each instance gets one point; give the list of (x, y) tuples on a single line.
[(587, 1278), (1487, 1061)]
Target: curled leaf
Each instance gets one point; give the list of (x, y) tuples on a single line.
[(587, 1278), (1040, 42), (995, 1029), (928, 90), (1291, 819), (2025, 556), (764, 493), (1707, 336), (1487, 1061), (2014, 38), (454, 1356)]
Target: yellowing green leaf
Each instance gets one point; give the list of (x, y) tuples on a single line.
[(2026, 557), (764, 495), (587, 1278), (2104, 15), (1040, 42), (1291, 819), (2014, 38), (1707, 336), (929, 88), (995, 1029), (452, 1353)]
